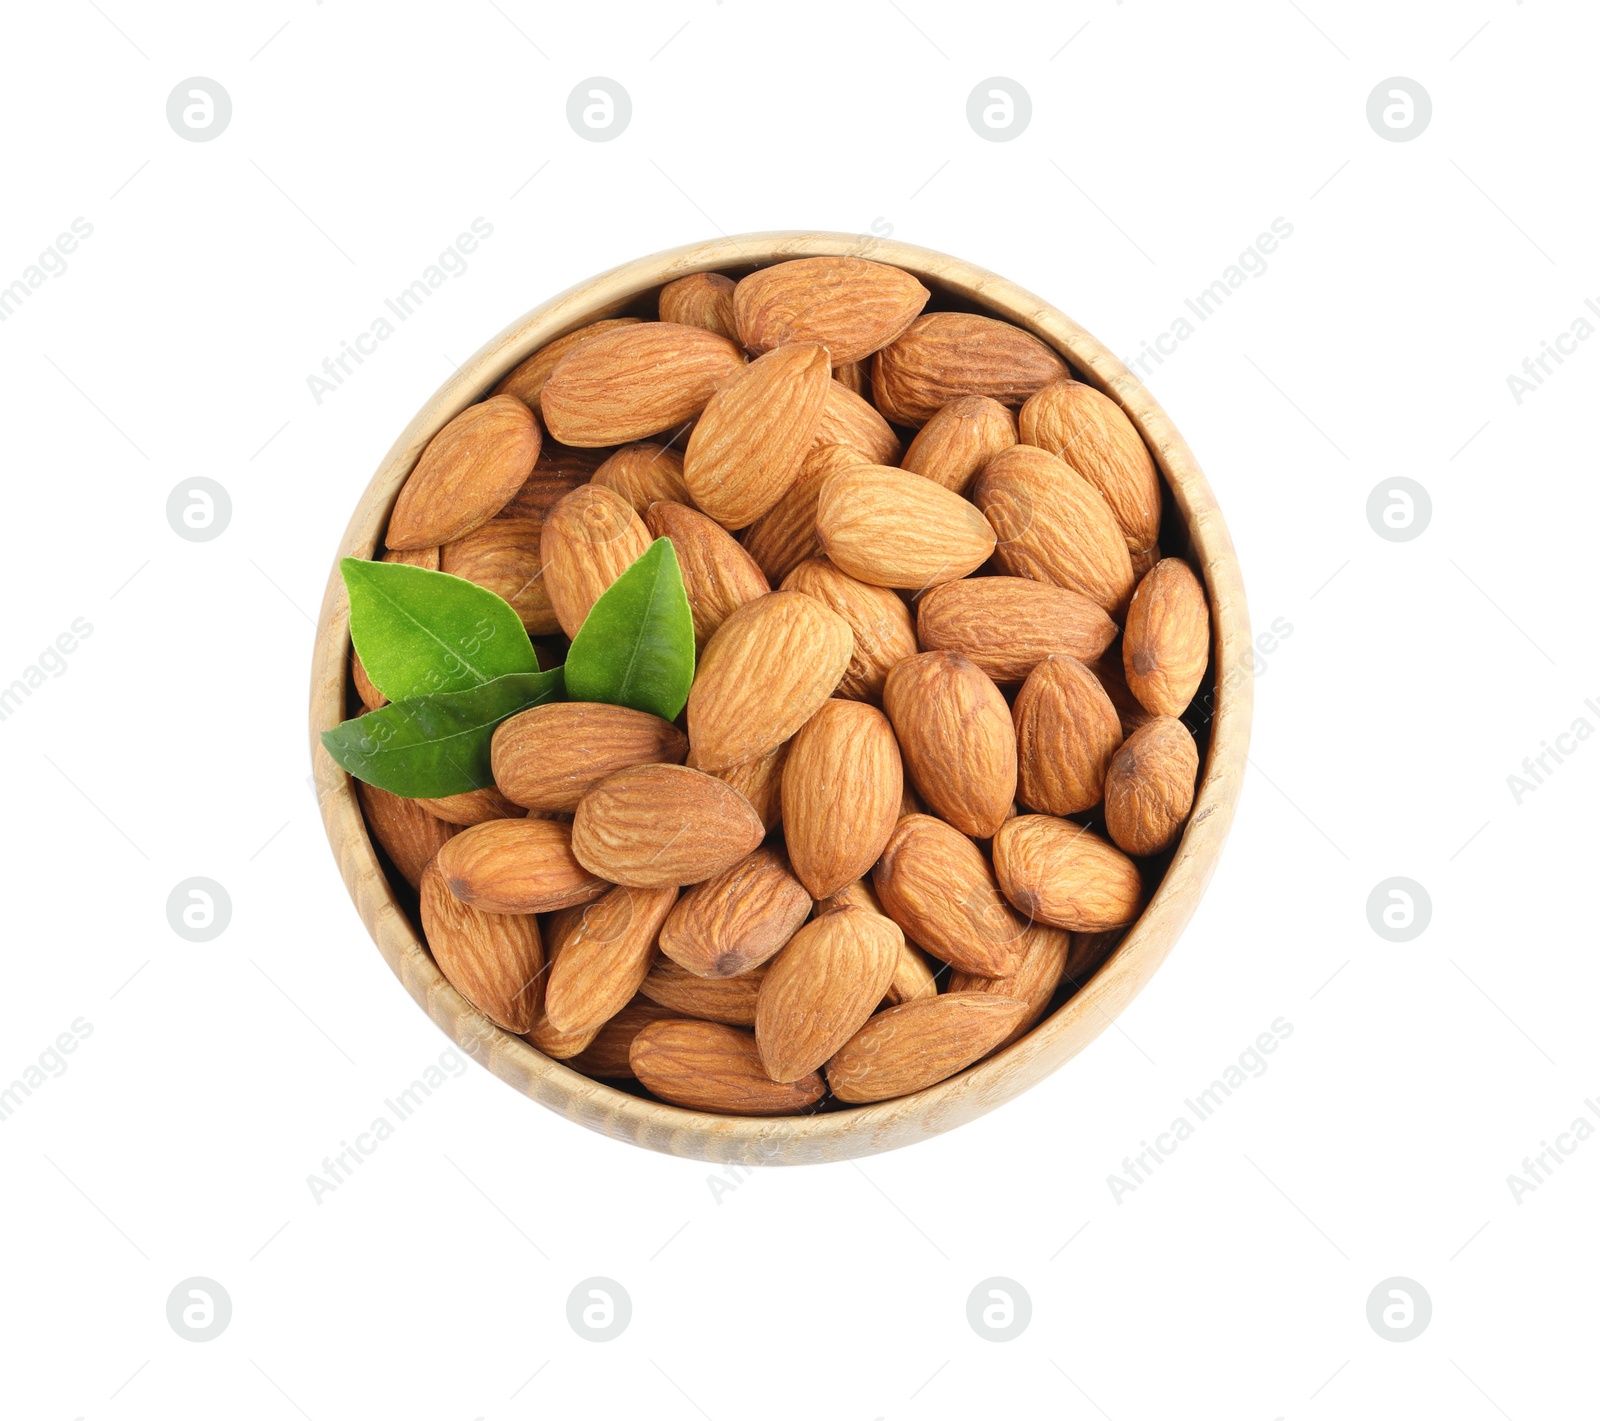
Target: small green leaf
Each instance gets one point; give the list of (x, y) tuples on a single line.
[(636, 646), (419, 633), (430, 746)]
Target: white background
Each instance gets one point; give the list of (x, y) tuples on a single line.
[(1164, 138)]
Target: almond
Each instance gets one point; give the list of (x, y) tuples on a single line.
[(634, 381), (1045, 953), (1150, 788), (559, 1045), (946, 354), (820, 990), (703, 1066), (527, 381), (589, 540), (850, 422), (644, 474), (1144, 560), (553, 478), (850, 305), (786, 534), (895, 529), (474, 807), (737, 919), (503, 555), (855, 376), (467, 474), (914, 972), (763, 675), (704, 299), (659, 826), (549, 757), (841, 796), (493, 959), (747, 446), (606, 1056), (1168, 638), (959, 440), (919, 1043), (718, 575), (760, 781), (1053, 526), (404, 830), (730, 1000), (1108, 672), (955, 732), (937, 886), (516, 866), (879, 620), (1062, 874), (371, 697), (1067, 732), (1008, 625), (1090, 433), (605, 957)]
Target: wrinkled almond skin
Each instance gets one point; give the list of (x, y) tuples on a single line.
[(549, 757), (590, 539), (730, 1000), (748, 445), (879, 620), (760, 781), (850, 422), (763, 675), (517, 866), (718, 575), (660, 826), (959, 440), (494, 960), (503, 555), (851, 306), (557, 473), (1008, 625), (605, 956), (1150, 787), (559, 1045), (937, 886), (786, 534), (955, 732), (920, 1043), (474, 807), (1090, 433), (894, 529), (468, 473), (1168, 638), (371, 697), (841, 796), (635, 381), (820, 990), (914, 970), (1045, 954), (737, 919), (704, 299), (1108, 672), (403, 828), (526, 382), (1067, 732), (1062, 874), (1053, 526), (855, 376), (606, 1056), (947, 354), (703, 1066), (644, 474)]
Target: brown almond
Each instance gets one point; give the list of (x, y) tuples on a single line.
[(493, 959), (1053, 526), (606, 1056), (504, 556), (559, 1045), (704, 299), (895, 529), (718, 575), (760, 781), (517, 866), (959, 440), (589, 540), (1168, 638), (850, 422), (914, 971), (1062, 874), (605, 957), (955, 732), (748, 444), (947, 354), (558, 472), (738, 918), (468, 473), (659, 826), (474, 807), (786, 534), (526, 382), (936, 884), (1108, 672), (920, 1043), (1067, 732), (1045, 953), (703, 1066), (404, 829), (763, 675), (644, 474), (371, 697), (1008, 625), (730, 1000), (635, 381), (850, 305), (1150, 787), (879, 620), (549, 757), (855, 376)]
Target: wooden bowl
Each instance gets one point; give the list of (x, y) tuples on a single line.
[(1192, 525)]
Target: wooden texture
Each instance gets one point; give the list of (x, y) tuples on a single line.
[(1194, 527)]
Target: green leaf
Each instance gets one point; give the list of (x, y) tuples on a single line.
[(636, 646), (426, 747), (420, 633)]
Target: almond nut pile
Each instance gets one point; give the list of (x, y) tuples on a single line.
[(933, 741)]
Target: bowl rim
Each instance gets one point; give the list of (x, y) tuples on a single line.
[(1055, 1039)]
